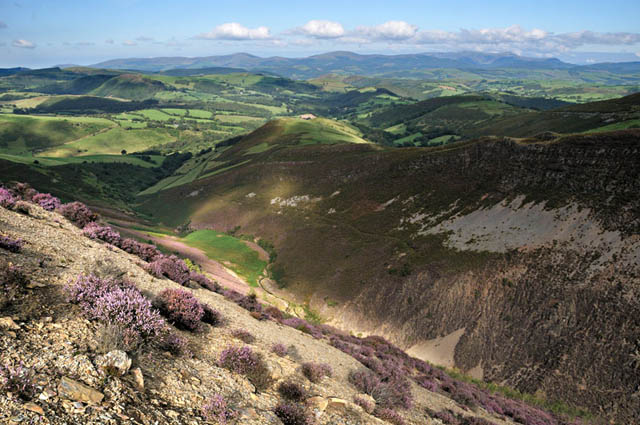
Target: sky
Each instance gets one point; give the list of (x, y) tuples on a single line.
[(46, 33)]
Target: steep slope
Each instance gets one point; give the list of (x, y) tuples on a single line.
[(62, 365), (524, 253)]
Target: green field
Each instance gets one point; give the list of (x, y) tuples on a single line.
[(230, 251), (112, 142)]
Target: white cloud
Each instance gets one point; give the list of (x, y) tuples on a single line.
[(129, 43), (23, 44), (321, 29), (235, 31), (389, 31), (638, 54)]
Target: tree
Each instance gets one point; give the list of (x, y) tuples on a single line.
[(123, 152)]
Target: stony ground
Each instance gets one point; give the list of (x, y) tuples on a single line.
[(49, 336)]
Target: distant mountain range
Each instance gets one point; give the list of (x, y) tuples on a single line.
[(353, 63)]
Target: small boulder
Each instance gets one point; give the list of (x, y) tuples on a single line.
[(138, 379), (317, 405), (9, 324), (114, 363), (74, 390)]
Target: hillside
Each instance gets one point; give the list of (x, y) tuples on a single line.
[(65, 361), (421, 244)]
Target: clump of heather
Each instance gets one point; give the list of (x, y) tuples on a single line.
[(211, 315), (174, 343), (366, 405), (279, 349), (303, 326), (200, 279), (24, 191), (7, 200), (245, 361), (10, 244), (117, 303), (292, 414), (94, 230), (243, 335), (292, 391), (78, 213), (144, 251), (250, 303), (389, 415), (46, 201), (316, 371), (181, 308), (170, 267), (18, 380), (217, 409), (390, 392)]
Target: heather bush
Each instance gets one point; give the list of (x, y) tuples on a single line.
[(367, 405), (181, 308), (303, 326), (389, 415), (22, 207), (78, 213), (10, 244), (243, 335), (279, 349), (275, 313), (7, 200), (217, 409), (390, 392), (250, 303), (117, 303), (316, 371), (11, 280), (199, 278), (447, 417), (292, 391), (144, 251), (24, 191), (46, 201), (94, 230), (245, 361), (211, 315), (18, 380), (170, 267), (174, 343), (292, 414)]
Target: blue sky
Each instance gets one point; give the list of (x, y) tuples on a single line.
[(44, 33)]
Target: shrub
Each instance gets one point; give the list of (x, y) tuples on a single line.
[(447, 417), (211, 315), (199, 278), (275, 313), (78, 213), (7, 200), (316, 371), (18, 380), (46, 201), (244, 361), (292, 391), (243, 335), (117, 303), (11, 280), (144, 251), (94, 230), (388, 393), (303, 326), (250, 303), (217, 409), (181, 308), (292, 414), (279, 349), (24, 191), (389, 415), (170, 267), (175, 344), (10, 244), (367, 405)]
